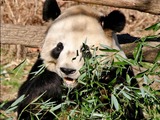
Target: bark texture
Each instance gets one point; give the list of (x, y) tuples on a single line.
[(149, 6), (33, 36)]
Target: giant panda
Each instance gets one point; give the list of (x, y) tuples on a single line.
[(63, 42)]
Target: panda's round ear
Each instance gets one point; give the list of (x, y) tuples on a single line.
[(114, 21), (50, 10)]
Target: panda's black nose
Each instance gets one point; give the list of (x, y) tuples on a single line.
[(67, 71)]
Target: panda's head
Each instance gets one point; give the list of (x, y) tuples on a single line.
[(63, 44)]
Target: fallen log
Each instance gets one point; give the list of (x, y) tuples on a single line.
[(33, 36), (148, 6)]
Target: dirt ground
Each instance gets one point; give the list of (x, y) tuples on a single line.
[(28, 12)]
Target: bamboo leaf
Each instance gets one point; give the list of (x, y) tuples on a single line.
[(126, 95), (154, 27), (17, 101), (114, 102)]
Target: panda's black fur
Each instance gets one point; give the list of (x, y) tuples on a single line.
[(49, 83)]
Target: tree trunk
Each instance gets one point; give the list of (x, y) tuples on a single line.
[(149, 6)]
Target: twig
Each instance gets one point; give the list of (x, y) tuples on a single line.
[(10, 9)]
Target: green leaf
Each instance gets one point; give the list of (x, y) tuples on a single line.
[(147, 81), (82, 77), (137, 52), (126, 95), (18, 70), (124, 60), (154, 27), (107, 49), (11, 109), (20, 66), (17, 101), (128, 79), (114, 102), (40, 71), (57, 107), (97, 115), (142, 92), (148, 92), (14, 105), (157, 57), (151, 37)]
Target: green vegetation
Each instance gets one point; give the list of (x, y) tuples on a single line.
[(90, 98), (11, 77)]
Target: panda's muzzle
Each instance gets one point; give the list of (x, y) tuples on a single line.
[(68, 79), (67, 71)]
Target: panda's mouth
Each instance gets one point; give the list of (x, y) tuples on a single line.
[(69, 79), (70, 82)]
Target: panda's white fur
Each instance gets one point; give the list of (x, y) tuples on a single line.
[(77, 25)]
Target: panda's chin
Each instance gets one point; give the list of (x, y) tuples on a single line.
[(69, 82)]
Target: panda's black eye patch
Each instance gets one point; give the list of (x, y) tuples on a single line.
[(57, 50)]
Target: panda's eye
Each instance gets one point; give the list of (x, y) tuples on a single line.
[(57, 50)]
